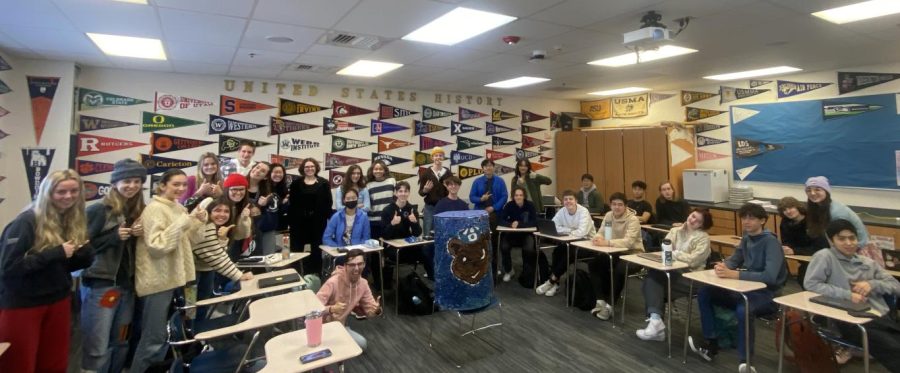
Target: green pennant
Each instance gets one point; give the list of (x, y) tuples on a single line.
[(89, 99), (152, 122)]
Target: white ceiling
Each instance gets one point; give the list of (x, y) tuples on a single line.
[(218, 37)]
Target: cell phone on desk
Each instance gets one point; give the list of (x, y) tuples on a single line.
[(313, 356), (342, 249)]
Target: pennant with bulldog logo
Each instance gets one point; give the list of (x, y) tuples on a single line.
[(690, 97), (295, 144), (530, 142), (457, 128), (466, 114), (528, 116), (90, 144), (422, 158), (463, 143), (167, 102), (703, 155), (219, 125), (746, 148), (41, 90), (37, 166), (466, 172), (388, 159), (160, 143), (289, 107), (498, 115), (495, 155), (500, 141), (341, 110), (391, 112), (333, 161), (88, 123), (422, 128), (339, 144), (331, 126), (86, 168), (158, 165), (429, 113), (493, 129), (380, 127), (152, 122), (280, 126), (729, 94), (788, 89), (457, 157), (597, 109), (228, 144), (89, 99), (387, 143), (693, 114), (854, 81), (707, 141), (232, 105), (428, 143), (94, 191)]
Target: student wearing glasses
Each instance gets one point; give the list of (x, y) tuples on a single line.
[(346, 290), (308, 212)]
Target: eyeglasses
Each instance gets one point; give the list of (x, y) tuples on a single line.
[(356, 265)]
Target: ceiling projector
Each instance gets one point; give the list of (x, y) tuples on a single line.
[(646, 37)]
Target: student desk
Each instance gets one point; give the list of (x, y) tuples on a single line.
[(399, 244), (501, 229), (651, 264), (807, 258), (653, 229), (283, 352), (270, 311), (800, 301), (739, 286), (725, 240), (609, 251), (567, 240), (277, 265), (334, 254), (251, 288)]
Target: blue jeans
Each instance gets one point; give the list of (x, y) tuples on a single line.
[(106, 314), (427, 219), (760, 303), (206, 283), (152, 346)]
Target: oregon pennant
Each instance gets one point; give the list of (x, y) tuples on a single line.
[(340, 110), (90, 144), (292, 144), (597, 109), (41, 89), (498, 115), (219, 125), (428, 143), (788, 89), (728, 94), (388, 159), (391, 112), (466, 114), (690, 97), (746, 148), (457, 128), (232, 105), (4, 65), (525, 154), (422, 158), (500, 141), (703, 155), (530, 129), (429, 113), (279, 126), (493, 129), (457, 157), (466, 172), (167, 102), (463, 143), (500, 169), (758, 83), (94, 191), (530, 142), (4, 88), (399, 176), (339, 144), (387, 143), (160, 143), (336, 178), (850, 81), (380, 127), (528, 116), (3, 112), (289, 107), (333, 161), (89, 99), (157, 165), (692, 113), (151, 122), (289, 163), (833, 109), (86, 168), (37, 166), (495, 155), (706, 127), (707, 141), (331, 126), (422, 128), (88, 123), (228, 144)]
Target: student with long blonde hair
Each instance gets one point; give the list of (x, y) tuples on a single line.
[(38, 250), (107, 286), (207, 182)]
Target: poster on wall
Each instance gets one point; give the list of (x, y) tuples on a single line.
[(854, 81), (631, 106), (429, 113), (423, 128), (788, 88), (37, 166), (390, 112), (498, 115), (41, 89), (232, 105), (690, 97), (90, 99), (151, 122), (169, 102), (729, 94), (89, 123), (597, 109)]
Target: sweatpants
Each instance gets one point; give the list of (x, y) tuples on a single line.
[(38, 337)]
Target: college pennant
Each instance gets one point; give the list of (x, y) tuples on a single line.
[(457, 128), (693, 114), (336, 178), (466, 114), (89, 99), (501, 141), (391, 112), (3, 135), (530, 129), (152, 122), (530, 142), (89, 123), (854, 81), (388, 159), (4, 88), (463, 143), (86, 168), (4, 65), (707, 141), (42, 90), (834, 109), (544, 148), (746, 148), (545, 159), (528, 116), (289, 107), (387, 143), (167, 102), (280, 126), (341, 109), (457, 157), (525, 154), (160, 143), (228, 144), (500, 169), (729, 94), (289, 163), (294, 144), (703, 155), (422, 158), (657, 97), (380, 127), (219, 125), (498, 115), (339, 144), (495, 155), (758, 83), (399, 176), (232, 105), (429, 113), (158, 165), (94, 190), (493, 129), (422, 128), (331, 126), (690, 97), (554, 121), (788, 89), (706, 127), (597, 109), (333, 161), (37, 166), (90, 144), (428, 143), (466, 172), (3, 112)]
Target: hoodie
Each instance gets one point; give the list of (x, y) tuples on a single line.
[(578, 224), (591, 198), (339, 289), (830, 273), (626, 230), (761, 259)]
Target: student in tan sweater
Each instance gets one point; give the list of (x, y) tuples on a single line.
[(626, 232), (163, 263)]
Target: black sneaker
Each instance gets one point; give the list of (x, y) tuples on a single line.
[(705, 349)]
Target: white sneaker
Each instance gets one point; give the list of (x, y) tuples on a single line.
[(655, 331), (542, 288), (743, 369), (603, 311), (552, 290), (508, 275)]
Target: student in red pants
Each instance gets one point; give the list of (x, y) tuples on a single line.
[(37, 251)]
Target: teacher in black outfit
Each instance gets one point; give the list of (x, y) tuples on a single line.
[(308, 212)]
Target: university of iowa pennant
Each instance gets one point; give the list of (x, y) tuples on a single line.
[(41, 89), (342, 109)]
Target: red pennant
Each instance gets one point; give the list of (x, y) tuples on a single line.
[(232, 105), (387, 143), (495, 155), (341, 109), (91, 144)]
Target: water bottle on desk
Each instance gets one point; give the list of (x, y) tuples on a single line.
[(607, 231), (285, 246), (667, 252)]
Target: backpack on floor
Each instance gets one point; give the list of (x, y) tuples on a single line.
[(526, 278), (812, 354), (584, 298), (414, 296)]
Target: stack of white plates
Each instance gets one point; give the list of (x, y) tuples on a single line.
[(739, 195)]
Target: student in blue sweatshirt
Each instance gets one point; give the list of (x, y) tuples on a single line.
[(518, 213), (349, 225), (488, 193), (758, 258)]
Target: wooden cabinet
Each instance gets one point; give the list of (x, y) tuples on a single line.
[(885, 231), (723, 222), (571, 159)]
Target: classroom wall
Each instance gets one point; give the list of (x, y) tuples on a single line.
[(18, 125), (671, 110)]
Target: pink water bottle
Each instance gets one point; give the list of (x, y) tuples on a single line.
[(313, 323)]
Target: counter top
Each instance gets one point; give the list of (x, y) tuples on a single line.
[(868, 215)]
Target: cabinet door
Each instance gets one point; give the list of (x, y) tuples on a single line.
[(571, 161), (633, 157), (614, 174), (656, 161), (596, 164)]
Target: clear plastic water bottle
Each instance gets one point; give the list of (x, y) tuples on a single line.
[(607, 230), (667, 252), (285, 246), (416, 300)]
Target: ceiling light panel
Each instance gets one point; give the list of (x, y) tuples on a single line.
[(129, 46), (368, 68), (517, 82), (457, 25), (753, 73)]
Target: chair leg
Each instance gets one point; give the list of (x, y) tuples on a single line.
[(431, 323), (247, 352)]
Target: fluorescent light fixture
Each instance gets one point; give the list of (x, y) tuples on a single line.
[(753, 73), (517, 82), (620, 91), (368, 68), (128, 46), (664, 51), (457, 25), (143, 2), (859, 11)]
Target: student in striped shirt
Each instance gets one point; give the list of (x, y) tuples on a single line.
[(381, 194)]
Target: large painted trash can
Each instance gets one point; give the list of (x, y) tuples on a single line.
[(462, 260)]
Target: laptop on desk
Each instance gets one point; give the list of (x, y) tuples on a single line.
[(654, 256), (548, 227), (278, 280), (842, 304)]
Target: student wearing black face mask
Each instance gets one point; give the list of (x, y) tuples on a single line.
[(349, 225)]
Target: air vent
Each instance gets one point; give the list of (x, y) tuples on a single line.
[(316, 69), (351, 40)]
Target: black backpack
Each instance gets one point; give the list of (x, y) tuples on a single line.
[(415, 297), (584, 298)]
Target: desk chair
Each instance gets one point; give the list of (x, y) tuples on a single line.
[(190, 355), (495, 303)]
